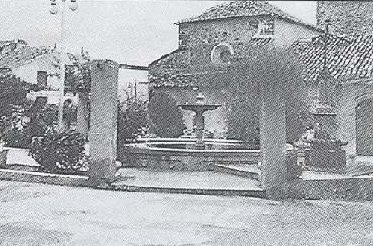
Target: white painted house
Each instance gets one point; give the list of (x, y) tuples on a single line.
[(35, 65)]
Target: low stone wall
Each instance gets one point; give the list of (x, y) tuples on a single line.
[(360, 188), (184, 160)]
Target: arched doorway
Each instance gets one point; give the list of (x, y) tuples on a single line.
[(364, 128)]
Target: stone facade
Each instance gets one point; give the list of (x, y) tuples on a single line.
[(346, 17), (350, 94)]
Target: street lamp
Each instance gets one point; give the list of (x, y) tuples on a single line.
[(54, 10)]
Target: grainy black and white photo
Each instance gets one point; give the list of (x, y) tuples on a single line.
[(176, 122)]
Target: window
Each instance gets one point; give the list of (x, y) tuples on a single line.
[(183, 39), (42, 78), (265, 28), (225, 56), (222, 54)]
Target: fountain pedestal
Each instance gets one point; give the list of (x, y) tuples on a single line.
[(200, 107), (200, 126), (325, 151)]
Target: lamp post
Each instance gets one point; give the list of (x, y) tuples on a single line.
[(54, 10), (324, 83)]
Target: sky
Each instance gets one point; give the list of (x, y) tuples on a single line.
[(132, 32)]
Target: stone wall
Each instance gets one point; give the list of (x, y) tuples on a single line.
[(287, 33), (350, 94), (333, 189), (184, 159), (217, 31), (347, 17)]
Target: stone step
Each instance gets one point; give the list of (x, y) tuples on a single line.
[(20, 167), (258, 193), (247, 171)]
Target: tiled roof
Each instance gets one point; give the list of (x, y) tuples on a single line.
[(173, 80), (345, 57), (243, 9), (177, 58), (16, 53)]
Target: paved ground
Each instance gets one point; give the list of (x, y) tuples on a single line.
[(36, 214)]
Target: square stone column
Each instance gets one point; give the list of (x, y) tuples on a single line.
[(103, 121), (83, 113), (273, 141)]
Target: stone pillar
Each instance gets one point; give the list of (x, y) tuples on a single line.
[(199, 129), (103, 122), (83, 114), (273, 141)]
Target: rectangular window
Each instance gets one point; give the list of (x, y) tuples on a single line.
[(183, 39), (266, 28), (42, 78)]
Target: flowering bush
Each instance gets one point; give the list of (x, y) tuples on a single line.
[(60, 152)]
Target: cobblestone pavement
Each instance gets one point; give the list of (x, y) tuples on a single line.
[(37, 214)]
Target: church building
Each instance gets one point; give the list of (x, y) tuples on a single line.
[(210, 42), (337, 55)]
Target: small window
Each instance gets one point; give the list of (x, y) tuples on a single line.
[(225, 56), (266, 28), (222, 54), (183, 39), (42, 78)]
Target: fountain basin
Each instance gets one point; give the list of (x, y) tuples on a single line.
[(179, 155)]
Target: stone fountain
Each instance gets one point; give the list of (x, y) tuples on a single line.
[(180, 154), (200, 107)]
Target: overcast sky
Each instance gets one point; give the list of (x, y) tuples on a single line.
[(135, 32)]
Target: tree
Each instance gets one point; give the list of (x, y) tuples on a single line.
[(12, 92), (132, 118), (266, 66), (165, 116)]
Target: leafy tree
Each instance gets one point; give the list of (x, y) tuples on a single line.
[(12, 92), (266, 66), (78, 77), (132, 118), (165, 116)]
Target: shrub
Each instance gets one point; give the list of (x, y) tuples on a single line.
[(132, 118), (166, 118), (17, 138), (60, 152)]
